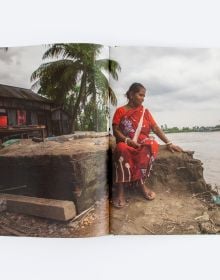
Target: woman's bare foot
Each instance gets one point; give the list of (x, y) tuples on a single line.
[(119, 199), (148, 193)]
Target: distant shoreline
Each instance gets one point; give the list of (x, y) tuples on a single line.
[(183, 131)]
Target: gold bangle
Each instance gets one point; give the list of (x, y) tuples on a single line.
[(169, 143)]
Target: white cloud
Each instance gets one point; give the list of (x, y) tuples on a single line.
[(18, 63), (182, 83)]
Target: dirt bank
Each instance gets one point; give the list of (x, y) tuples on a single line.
[(172, 212), (182, 205), (77, 169)]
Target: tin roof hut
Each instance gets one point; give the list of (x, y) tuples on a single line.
[(22, 109)]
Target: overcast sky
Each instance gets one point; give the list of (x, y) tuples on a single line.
[(183, 85), (17, 65)]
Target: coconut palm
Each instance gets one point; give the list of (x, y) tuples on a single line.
[(76, 66)]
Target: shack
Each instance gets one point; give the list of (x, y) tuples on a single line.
[(60, 121), (24, 114)]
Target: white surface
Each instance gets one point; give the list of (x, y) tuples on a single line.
[(126, 257), (153, 23)]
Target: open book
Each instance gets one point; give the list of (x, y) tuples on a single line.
[(99, 140)]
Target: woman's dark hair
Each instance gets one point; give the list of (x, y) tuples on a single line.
[(135, 87)]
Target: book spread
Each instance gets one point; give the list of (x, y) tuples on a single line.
[(98, 140)]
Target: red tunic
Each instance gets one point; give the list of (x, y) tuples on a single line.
[(132, 164)]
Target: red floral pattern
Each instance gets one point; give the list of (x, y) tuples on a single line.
[(132, 164)]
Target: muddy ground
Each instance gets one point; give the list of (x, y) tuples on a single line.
[(169, 213), (94, 222), (172, 212)]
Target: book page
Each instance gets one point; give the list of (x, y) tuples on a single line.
[(164, 141), (54, 140)]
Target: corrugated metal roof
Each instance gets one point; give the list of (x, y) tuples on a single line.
[(21, 93)]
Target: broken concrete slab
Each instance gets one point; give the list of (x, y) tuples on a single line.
[(73, 170), (60, 210)]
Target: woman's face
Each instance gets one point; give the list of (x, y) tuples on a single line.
[(138, 97)]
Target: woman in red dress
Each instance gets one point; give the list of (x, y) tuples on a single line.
[(135, 149)]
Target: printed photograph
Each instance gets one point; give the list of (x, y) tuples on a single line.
[(165, 133), (54, 139), (98, 140)]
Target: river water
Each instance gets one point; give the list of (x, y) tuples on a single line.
[(207, 149)]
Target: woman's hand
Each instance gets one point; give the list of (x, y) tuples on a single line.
[(159, 132), (174, 148), (133, 144)]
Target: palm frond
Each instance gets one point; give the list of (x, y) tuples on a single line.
[(53, 67), (102, 84), (109, 65)]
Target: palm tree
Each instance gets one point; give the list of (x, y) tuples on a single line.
[(76, 65)]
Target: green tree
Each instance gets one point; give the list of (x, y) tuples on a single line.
[(75, 77)]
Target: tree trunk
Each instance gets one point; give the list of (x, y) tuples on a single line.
[(82, 91), (95, 114)]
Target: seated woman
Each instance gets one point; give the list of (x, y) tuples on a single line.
[(135, 149)]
